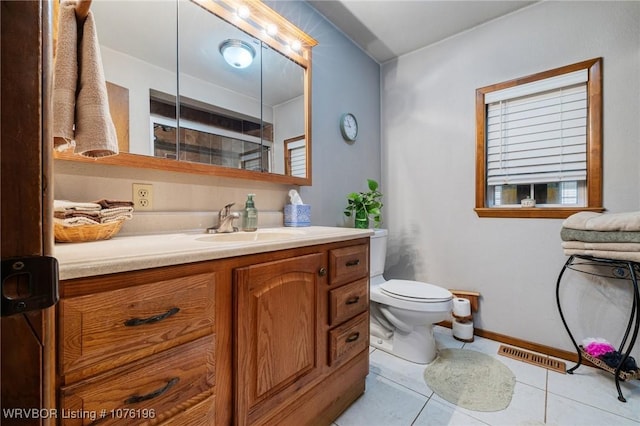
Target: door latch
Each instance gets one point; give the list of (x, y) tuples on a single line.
[(28, 284)]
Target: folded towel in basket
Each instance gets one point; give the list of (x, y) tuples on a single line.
[(76, 221), (109, 204), (116, 214), (590, 221), (63, 205), (66, 214)]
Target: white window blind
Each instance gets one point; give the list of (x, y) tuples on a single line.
[(536, 132), (298, 158)]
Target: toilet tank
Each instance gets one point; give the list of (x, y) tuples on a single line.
[(378, 252)]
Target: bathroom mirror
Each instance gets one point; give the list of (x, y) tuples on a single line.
[(180, 107)]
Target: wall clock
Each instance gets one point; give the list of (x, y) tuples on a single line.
[(349, 127)]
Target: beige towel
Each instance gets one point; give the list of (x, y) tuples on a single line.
[(120, 213), (590, 221), (65, 77), (63, 205), (615, 255), (76, 221), (95, 133), (579, 245), (110, 204)]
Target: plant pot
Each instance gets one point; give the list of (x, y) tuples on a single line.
[(362, 220)]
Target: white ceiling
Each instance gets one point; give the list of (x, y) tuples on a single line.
[(386, 29)]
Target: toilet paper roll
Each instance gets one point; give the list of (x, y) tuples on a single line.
[(461, 307), (462, 330)]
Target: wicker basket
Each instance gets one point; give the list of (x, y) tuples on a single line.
[(84, 233)]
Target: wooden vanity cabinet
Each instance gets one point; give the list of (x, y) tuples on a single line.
[(302, 335), (277, 338), (144, 347)]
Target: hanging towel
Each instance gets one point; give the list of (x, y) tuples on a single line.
[(95, 133), (65, 77)]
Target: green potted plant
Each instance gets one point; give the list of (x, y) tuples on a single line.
[(365, 205)]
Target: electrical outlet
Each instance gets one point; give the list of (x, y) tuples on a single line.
[(142, 196)]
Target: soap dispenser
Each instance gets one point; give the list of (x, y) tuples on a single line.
[(250, 215)]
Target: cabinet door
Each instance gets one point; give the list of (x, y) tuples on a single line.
[(277, 343)]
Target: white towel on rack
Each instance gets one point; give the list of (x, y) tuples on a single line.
[(615, 255), (590, 221), (580, 245)]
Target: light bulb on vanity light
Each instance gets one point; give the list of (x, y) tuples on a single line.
[(296, 45), (243, 12), (272, 29)]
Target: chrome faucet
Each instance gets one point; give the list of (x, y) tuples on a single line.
[(225, 220)]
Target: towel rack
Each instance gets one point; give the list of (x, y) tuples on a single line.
[(613, 269), (82, 9)]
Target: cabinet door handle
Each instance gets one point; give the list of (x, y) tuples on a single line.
[(322, 272), (352, 300), (353, 337), (139, 398), (354, 262), (140, 321)]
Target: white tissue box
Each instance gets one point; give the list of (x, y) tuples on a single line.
[(297, 215)]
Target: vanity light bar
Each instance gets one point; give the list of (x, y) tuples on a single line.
[(260, 21)]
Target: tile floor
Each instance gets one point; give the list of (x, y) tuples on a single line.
[(396, 395)]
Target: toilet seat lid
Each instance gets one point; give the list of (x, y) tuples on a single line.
[(415, 291)]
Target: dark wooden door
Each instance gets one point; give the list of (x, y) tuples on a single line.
[(27, 363)]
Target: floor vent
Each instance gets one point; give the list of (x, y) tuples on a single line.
[(535, 359)]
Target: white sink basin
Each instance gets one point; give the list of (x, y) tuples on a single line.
[(259, 235)]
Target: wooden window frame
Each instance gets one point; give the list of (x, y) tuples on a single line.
[(594, 146)]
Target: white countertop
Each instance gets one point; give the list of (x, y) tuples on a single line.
[(128, 253)]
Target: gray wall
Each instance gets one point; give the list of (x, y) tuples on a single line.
[(344, 80), (428, 149)]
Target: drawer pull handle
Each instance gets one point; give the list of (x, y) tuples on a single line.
[(352, 300), (139, 398), (322, 272), (140, 321), (353, 337), (354, 262)]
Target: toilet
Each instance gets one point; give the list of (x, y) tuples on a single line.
[(403, 312)]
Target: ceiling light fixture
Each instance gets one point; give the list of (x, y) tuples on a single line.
[(237, 53)]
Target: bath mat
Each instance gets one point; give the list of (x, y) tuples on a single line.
[(471, 380)]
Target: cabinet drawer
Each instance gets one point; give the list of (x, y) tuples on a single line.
[(201, 414), (348, 264), (347, 301), (116, 323), (349, 339), (146, 391)]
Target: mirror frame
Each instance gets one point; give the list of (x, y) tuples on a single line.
[(261, 15)]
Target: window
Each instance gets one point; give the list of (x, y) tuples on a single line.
[(295, 152), (541, 137)]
